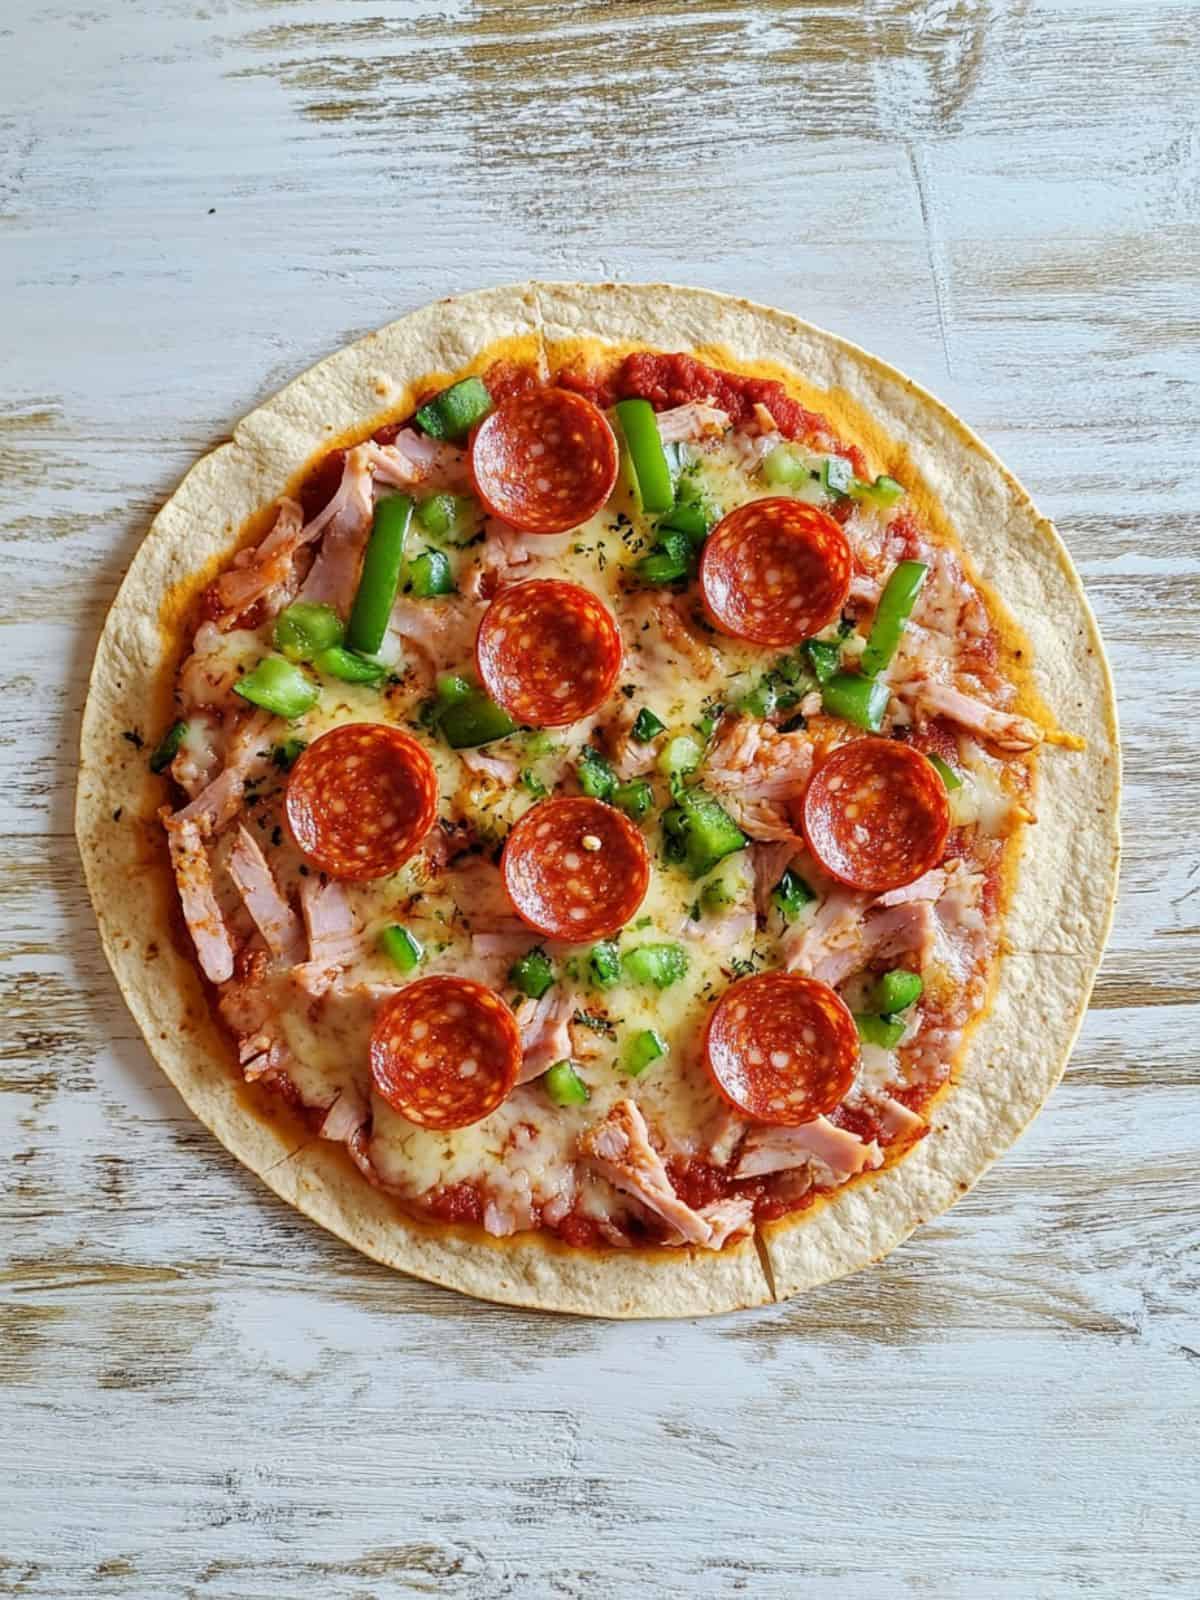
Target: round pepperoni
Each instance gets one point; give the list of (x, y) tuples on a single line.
[(781, 1048), (360, 800), (876, 814), (445, 1052), (575, 869), (549, 652), (775, 571), (544, 460)]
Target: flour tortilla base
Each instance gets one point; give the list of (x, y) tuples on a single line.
[(1057, 921)]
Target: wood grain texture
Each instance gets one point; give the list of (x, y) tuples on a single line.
[(202, 1395)]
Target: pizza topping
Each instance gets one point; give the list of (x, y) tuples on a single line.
[(201, 912), (647, 456), (775, 571), (645, 1047), (334, 937), (857, 699), (380, 579), (549, 652), (445, 1052), (545, 1032), (360, 800), (564, 1086), (1001, 728), (280, 687), (544, 461), (841, 1152), (273, 916), (565, 890), (781, 1048), (895, 607), (453, 413), (876, 815), (402, 948), (168, 746)]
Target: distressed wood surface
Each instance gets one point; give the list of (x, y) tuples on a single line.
[(200, 1393)]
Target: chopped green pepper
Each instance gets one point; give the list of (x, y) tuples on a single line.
[(884, 491), (670, 559), (690, 518), (825, 657), (473, 719), (564, 1085), (880, 1031), (447, 516), (647, 726), (401, 947), (169, 746), (716, 895), (431, 575), (279, 686), (635, 799), (651, 470), (895, 607), (762, 700), (860, 700), (945, 772), (451, 688), (595, 774), (896, 991), (453, 413), (303, 629), (679, 756), (530, 782), (338, 662), (532, 974), (644, 1047), (285, 755), (701, 831), (380, 578), (657, 964), (791, 894), (605, 964), (785, 466)]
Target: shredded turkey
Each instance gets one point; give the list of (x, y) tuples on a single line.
[(248, 758), (545, 1037), (266, 573), (498, 769), (770, 860), (441, 631), (695, 420), (348, 1113), (769, 1150), (193, 874), (1003, 729), (930, 886), (271, 913), (659, 634), (758, 774), (841, 939), (618, 1149)]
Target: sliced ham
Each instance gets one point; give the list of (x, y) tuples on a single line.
[(618, 1149), (346, 1116), (207, 677), (334, 937), (545, 1036), (719, 933), (695, 420), (661, 639), (248, 757), (193, 874), (345, 525), (768, 1150), (271, 913), (1001, 728), (441, 631), (727, 1218), (770, 861)]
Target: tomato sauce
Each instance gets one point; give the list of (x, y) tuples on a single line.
[(674, 380)]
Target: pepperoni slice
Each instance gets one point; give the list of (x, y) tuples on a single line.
[(876, 814), (775, 571), (544, 460), (575, 869), (445, 1052), (781, 1048), (360, 800), (549, 652)]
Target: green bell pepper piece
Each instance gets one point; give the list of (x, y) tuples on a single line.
[(380, 578), (431, 575), (564, 1085), (880, 1031), (895, 607), (401, 947), (651, 470), (453, 413), (338, 662), (303, 629), (595, 774), (647, 726), (860, 700), (896, 991), (635, 799), (280, 687), (644, 1047), (532, 974), (605, 964), (946, 773)]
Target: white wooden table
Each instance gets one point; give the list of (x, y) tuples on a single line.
[(201, 1394)]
